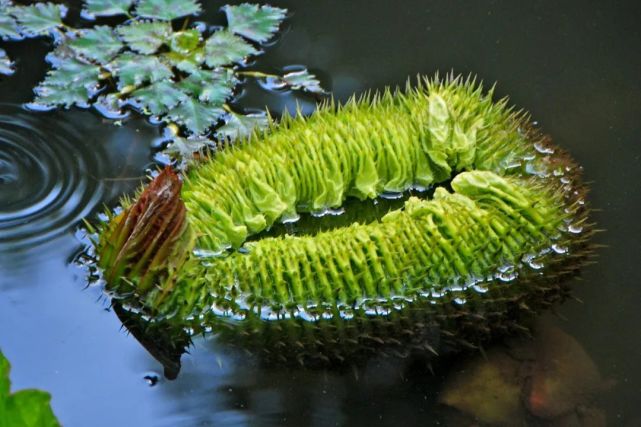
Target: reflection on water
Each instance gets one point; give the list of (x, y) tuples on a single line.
[(49, 178)]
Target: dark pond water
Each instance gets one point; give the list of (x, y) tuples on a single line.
[(575, 65)]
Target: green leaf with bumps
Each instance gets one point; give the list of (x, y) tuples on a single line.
[(166, 9), (72, 83), (6, 65), (26, 408), (99, 44), (303, 80), (258, 23), (196, 116), (145, 37), (225, 48), (134, 70), (241, 126), (38, 19), (159, 97), (107, 7)]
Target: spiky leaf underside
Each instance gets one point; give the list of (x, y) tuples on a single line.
[(258, 23)]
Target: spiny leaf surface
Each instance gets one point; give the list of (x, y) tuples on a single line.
[(107, 7), (225, 48), (258, 23), (166, 9), (145, 37), (98, 43), (40, 18)]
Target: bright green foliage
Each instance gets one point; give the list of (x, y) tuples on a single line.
[(258, 23), (223, 48), (145, 37), (38, 19), (25, 408), (166, 9), (99, 44), (509, 216), (107, 7), (6, 66)]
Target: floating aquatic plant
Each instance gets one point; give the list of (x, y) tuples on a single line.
[(183, 77), (492, 243), (25, 408)]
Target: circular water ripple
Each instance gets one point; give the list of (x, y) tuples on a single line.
[(49, 177)]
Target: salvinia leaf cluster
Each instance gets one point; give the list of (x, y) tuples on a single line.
[(25, 408), (181, 74)]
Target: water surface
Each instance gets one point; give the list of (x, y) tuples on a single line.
[(574, 65)]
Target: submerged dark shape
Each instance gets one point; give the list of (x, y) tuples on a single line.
[(445, 273)]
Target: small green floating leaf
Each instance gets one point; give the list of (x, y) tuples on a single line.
[(6, 65), (185, 42), (241, 126), (134, 70), (186, 148), (99, 44), (196, 116), (107, 7), (25, 408), (258, 23), (39, 19), (145, 37), (72, 83), (211, 86), (8, 26), (303, 80), (166, 9), (225, 48), (159, 97)]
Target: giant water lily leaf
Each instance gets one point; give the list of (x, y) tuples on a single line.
[(25, 408), (225, 48), (211, 86), (38, 19), (258, 23), (159, 97), (6, 65), (134, 70), (196, 116), (107, 7), (99, 43), (303, 80), (145, 37), (72, 83), (166, 9), (241, 126)]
